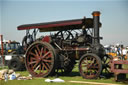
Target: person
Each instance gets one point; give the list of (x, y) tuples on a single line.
[(117, 49), (124, 52), (127, 53)]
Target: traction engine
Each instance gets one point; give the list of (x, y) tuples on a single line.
[(72, 40)]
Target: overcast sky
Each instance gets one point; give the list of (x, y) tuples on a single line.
[(114, 16)]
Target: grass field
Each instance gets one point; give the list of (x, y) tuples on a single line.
[(74, 76)]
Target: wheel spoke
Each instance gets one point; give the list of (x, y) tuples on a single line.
[(49, 61), (46, 54), (37, 68), (48, 57), (37, 53), (35, 64), (105, 59), (48, 65), (42, 66), (31, 53), (33, 59), (84, 62), (92, 62), (45, 67), (32, 62), (40, 69), (95, 64), (107, 63), (108, 70), (38, 50), (45, 49), (41, 52)]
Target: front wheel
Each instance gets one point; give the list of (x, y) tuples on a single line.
[(90, 66)]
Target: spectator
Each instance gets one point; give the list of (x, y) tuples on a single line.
[(124, 52)]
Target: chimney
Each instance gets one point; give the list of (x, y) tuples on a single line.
[(96, 23)]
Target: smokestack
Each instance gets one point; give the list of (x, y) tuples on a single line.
[(96, 18)]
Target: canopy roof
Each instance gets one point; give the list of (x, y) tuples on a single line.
[(59, 25)]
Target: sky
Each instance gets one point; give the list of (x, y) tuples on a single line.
[(114, 16)]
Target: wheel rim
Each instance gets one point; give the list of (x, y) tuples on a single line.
[(89, 67), (39, 60), (106, 69)]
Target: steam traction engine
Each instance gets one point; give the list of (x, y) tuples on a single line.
[(57, 53)]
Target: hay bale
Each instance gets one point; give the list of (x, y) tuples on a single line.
[(1, 76), (18, 75), (10, 71), (4, 71)]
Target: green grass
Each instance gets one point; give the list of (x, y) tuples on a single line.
[(74, 76)]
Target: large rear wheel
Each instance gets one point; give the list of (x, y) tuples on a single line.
[(90, 66), (40, 59)]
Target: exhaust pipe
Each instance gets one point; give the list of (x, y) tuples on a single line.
[(96, 23)]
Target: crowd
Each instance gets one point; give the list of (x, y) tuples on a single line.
[(117, 50)]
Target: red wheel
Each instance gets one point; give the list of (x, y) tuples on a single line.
[(90, 66), (40, 59)]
